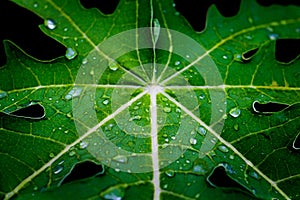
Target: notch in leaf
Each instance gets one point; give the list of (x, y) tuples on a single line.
[(287, 50), (83, 170), (248, 55), (268, 108), (31, 111), (296, 143), (219, 177)]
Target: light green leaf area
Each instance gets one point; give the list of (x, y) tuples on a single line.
[(167, 112)]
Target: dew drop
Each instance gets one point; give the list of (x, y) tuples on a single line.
[(223, 149), (113, 65), (105, 102), (198, 169), (254, 175), (202, 130), (193, 141), (136, 117), (235, 112), (83, 145), (273, 36), (238, 57), (120, 159), (167, 109), (35, 5), (202, 96), (225, 57), (231, 157), (2, 94), (75, 92), (114, 193), (65, 29), (156, 30), (50, 24), (58, 169), (213, 140), (84, 61), (170, 173), (70, 53), (177, 63)]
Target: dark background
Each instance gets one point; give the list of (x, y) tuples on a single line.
[(21, 26)]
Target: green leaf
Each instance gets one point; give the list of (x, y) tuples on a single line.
[(165, 111)]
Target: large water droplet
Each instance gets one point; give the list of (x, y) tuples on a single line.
[(202, 130), (235, 112), (105, 102), (70, 53), (120, 159), (114, 193), (50, 24), (58, 169), (223, 149), (273, 36), (2, 94), (193, 141), (113, 65), (170, 173), (75, 92), (199, 169), (254, 175)]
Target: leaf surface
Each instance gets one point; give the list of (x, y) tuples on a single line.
[(167, 112)]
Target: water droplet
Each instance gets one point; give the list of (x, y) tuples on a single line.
[(193, 141), (156, 30), (170, 173), (50, 24), (58, 169), (177, 13), (70, 53), (167, 109), (75, 92), (199, 169), (225, 57), (213, 140), (113, 65), (84, 61), (273, 36), (136, 117), (2, 94), (83, 145), (231, 157), (105, 102), (177, 63), (235, 112), (202, 96), (202, 130), (187, 56), (238, 57), (35, 5), (114, 193), (120, 159), (223, 149), (253, 174), (165, 186)]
